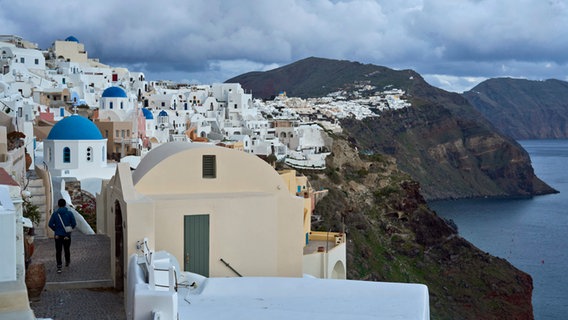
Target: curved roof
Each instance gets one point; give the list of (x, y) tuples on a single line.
[(160, 153), (75, 127), (114, 92), (162, 114), (176, 168), (72, 39), (147, 114)]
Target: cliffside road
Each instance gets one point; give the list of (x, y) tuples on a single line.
[(84, 289)]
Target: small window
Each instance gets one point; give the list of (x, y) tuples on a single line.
[(22, 60), (121, 105), (110, 105), (209, 167), (66, 155), (36, 61)]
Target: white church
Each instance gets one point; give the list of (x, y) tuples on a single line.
[(75, 148)]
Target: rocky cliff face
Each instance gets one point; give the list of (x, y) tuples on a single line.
[(524, 109), (449, 152), (394, 236), (441, 141)]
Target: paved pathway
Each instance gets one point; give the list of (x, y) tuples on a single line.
[(84, 289)]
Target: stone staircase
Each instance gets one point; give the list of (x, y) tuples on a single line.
[(37, 190)]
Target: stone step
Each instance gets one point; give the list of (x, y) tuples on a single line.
[(37, 200), (35, 183)]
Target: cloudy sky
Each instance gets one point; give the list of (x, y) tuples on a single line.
[(454, 44)]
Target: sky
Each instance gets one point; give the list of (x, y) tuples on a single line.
[(453, 44)]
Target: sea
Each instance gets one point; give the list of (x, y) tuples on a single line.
[(530, 233)]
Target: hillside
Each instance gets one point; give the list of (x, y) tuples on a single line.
[(441, 141), (394, 236), (316, 77), (523, 109)]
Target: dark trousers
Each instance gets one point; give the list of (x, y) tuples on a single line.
[(62, 243)]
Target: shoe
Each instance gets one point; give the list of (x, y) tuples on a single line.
[(67, 264), (58, 270)]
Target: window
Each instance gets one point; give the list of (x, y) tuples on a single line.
[(163, 104), (121, 105), (89, 154), (106, 133), (117, 134), (103, 154), (36, 61), (110, 105), (66, 155), (22, 60), (209, 167)]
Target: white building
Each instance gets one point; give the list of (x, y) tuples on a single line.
[(75, 148)]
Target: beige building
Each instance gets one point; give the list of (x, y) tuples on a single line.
[(205, 205), (70, 49), (119, 135)]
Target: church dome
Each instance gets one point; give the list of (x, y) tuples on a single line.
[(162, 114), (147, 114), (72, 39), (114, 92), (75, 127)]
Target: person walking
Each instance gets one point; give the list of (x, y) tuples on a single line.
[(62, 222)]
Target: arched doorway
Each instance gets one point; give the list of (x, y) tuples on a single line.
[(118, 248), (338, 271)]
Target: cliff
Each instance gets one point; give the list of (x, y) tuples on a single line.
[(394, 236), (523, 109), (449, 153), (441, 140)]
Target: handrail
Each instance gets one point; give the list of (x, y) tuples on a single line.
[(229, 266)]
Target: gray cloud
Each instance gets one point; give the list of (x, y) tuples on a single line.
[(211, 41)]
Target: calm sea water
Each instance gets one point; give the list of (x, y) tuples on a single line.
[(531, 233)]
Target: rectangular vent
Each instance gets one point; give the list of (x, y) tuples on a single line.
[(209, 167)]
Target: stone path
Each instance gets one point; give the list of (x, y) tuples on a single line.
[(84, 289)]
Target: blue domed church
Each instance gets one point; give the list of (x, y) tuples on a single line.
[(115, 105), (74, 148)]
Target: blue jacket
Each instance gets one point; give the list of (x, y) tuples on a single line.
[(68, 220)]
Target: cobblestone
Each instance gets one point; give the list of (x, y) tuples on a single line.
[(84, 289)]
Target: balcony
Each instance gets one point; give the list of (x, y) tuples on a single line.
[(320, 241)]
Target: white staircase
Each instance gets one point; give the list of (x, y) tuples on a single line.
[(37, 190)]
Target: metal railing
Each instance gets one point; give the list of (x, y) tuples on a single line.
[(229, 266)]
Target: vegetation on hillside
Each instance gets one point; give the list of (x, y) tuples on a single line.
[(394, 236)]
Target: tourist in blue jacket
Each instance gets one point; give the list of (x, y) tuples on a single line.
[(60, 219)]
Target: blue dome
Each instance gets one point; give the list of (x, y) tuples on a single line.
[(75, 128), (114, 92), (162, 114), (72, 39), (147, 114)]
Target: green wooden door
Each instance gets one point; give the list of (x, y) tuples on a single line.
[(196, 244)]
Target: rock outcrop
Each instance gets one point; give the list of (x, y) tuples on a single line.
[(394, 236)]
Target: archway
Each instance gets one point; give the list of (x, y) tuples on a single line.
[(118, 248), (338, 271)]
